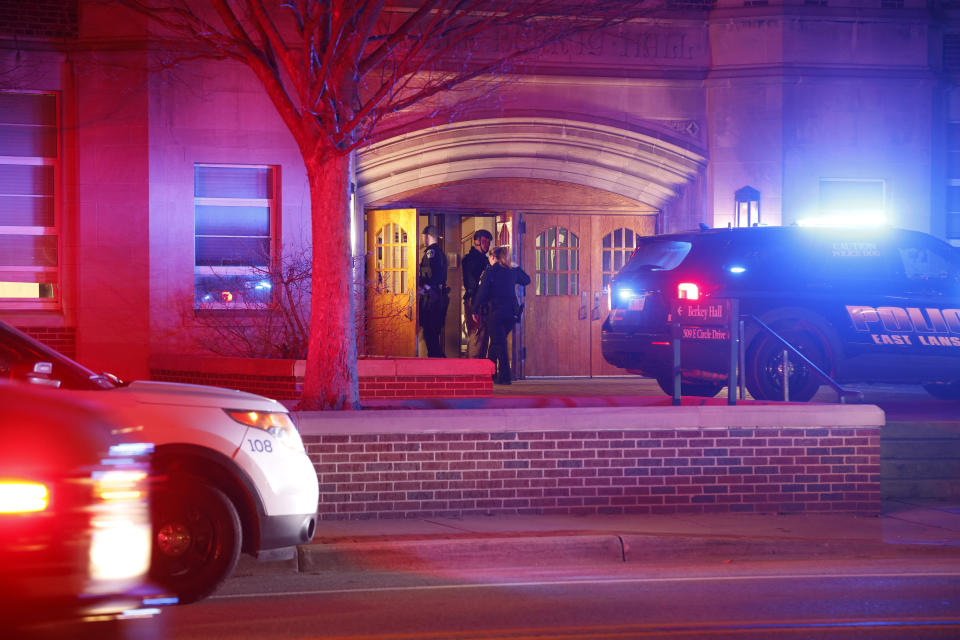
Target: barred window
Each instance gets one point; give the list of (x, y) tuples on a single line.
[(29, 201), (558, 262)]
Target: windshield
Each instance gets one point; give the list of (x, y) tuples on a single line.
[(658, 254), (19, 353)]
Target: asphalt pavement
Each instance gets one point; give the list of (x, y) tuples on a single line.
[(905, 528)]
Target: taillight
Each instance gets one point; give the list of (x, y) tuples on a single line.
[(688, 291), (18, 496)]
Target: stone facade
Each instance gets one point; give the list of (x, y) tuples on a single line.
[(668, 119)]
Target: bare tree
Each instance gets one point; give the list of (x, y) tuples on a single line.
[(263, 313), (338, 72)]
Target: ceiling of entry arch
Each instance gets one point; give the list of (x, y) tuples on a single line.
[(525, 194)]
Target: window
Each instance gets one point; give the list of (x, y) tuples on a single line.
[(29, 208), (852, 201), (558, 263), (953, 179), (392, 265), (234, 242), (618, 246)]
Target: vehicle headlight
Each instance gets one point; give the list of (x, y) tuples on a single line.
[(276, 423)]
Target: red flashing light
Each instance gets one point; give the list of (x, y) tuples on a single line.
[(688, 291), (226, 296)]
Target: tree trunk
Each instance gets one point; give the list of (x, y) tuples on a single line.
[(330, 380)]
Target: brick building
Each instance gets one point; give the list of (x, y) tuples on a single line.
[(129, 186)]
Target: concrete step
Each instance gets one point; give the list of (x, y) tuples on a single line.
[(920, 460)]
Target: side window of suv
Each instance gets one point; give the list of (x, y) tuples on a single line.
[(922, 263), (929, 267)]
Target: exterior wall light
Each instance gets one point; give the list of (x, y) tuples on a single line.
[(746, 209)]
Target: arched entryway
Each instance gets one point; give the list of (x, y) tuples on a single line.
[(545, 183)]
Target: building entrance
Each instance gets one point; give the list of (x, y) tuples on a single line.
[(571, 259)]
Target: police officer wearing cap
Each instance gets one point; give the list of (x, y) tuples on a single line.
[(473, 265), (434, 294)]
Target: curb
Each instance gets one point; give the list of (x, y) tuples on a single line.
[(568, 550)]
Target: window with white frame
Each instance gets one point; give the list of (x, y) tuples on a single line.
[(29, 207), (234, 235)]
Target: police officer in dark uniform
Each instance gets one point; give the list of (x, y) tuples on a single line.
[(473, 265), (434, 295), (498, 290)]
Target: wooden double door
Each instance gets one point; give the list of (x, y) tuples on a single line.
[(571, 259)]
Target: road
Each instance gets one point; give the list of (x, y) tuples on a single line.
[(839, 599)]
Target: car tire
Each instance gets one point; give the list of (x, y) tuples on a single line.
[(764, 366), (687, 388), (943, 390), (196, 537)]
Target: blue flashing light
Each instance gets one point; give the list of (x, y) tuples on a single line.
[(625, 294), (737, 269), (263, 284)]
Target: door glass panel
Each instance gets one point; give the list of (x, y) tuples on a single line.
[(558, 261), (391, 259), (616, 247)]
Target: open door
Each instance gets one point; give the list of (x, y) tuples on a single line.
[(391, 322)]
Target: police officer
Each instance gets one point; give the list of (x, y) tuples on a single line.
[(473, 265), (498, 290), (434, 294)]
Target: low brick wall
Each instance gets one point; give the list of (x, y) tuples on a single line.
[(273, 378), (378, 378), (400, 378), (63, 339), (422, 464)]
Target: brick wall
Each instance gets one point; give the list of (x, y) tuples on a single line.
[(379, 378), (63, 339), (39, 18), (755, 469), (277, 387)]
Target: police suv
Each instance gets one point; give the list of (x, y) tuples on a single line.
[(877, 305), (232, 473)]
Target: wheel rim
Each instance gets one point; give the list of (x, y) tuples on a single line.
[(185, 542), (173, 539), (802, 378)]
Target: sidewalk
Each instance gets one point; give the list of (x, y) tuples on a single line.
[(905, 530)]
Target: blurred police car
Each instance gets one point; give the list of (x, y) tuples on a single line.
[(234, 475), (864, 305), (74, 518)]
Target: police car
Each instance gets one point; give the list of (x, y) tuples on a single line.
[(74, 521), (232, 469), (877, 305)]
